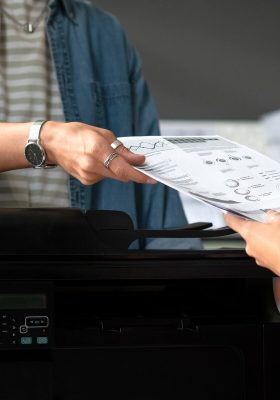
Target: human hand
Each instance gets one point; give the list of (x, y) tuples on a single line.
[(81, 149), (262, 238)]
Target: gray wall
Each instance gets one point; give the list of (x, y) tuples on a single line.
[(206, 59)]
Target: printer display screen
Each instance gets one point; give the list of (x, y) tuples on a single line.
[(22, 301)]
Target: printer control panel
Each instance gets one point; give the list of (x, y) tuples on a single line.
[(25, 319)]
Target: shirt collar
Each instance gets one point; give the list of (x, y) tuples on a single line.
[(68, 6)]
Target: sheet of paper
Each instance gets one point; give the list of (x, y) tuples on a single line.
[(249, 133), (212, 169)]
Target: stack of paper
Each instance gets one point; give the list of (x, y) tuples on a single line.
[(214, 170)]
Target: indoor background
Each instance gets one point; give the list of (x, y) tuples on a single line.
[(206, 59)]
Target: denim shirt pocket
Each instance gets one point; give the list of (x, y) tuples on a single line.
[(113, 108)]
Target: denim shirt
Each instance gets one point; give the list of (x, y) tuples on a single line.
[(101, 83)]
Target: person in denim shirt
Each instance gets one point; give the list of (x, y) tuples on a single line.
[(104, 95)]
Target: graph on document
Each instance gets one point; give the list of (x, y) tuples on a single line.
[(149, 146)]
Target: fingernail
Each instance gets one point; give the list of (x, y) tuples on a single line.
[(151, 180), (139, 155)]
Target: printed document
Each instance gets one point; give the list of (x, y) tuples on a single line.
[(212, 169)]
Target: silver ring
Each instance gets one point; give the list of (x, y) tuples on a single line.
[(109, 159), (117, 143)]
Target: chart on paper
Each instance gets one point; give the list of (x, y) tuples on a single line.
[(212, 169)]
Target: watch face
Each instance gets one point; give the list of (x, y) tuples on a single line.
[(34, 154)]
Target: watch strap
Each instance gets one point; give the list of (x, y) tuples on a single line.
[(35, 130)]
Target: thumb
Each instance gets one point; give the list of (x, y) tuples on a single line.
[(132, 158)]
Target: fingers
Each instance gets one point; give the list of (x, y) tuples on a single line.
[(118, 167), (272, 216), (129, 156), (121, 166), (246, 228), (117, 143), (236, 223), (122, 170), (243, 226), (134, 159)]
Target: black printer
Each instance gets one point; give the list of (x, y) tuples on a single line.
[(83, 317)]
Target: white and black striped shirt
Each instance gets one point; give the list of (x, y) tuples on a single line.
[(29, 91)]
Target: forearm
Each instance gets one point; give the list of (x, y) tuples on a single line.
[(78, 148), (13, 138)]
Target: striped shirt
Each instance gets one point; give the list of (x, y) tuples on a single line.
[(28, 92)]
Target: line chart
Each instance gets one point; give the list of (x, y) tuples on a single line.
[(148, 146)]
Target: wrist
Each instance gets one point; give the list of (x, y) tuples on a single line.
[(48, 139), (13, 137)]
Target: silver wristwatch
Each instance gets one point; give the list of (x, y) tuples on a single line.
[(33, 151)]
